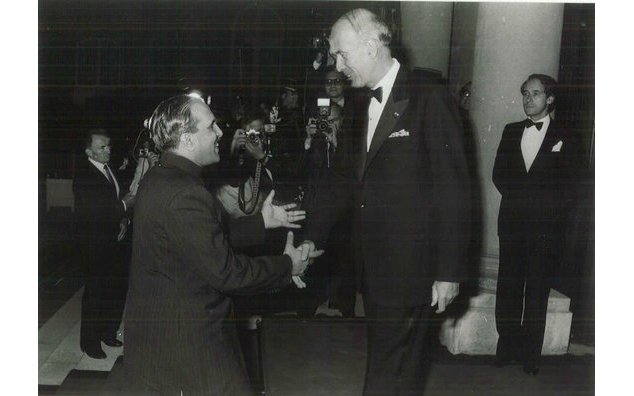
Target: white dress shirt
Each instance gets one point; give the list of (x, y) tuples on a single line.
[(532, 140), (376, 108)]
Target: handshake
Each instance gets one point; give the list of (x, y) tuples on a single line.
[(302, 256)]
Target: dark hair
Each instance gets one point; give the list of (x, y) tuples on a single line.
[(550, 87), (252, 113), (171, 118), (89, 133)]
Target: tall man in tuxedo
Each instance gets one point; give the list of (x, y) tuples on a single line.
[(102, 220), (180, 339), (537, 164), (410, 192)]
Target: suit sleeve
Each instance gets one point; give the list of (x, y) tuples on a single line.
[(502, 172), (444, 139), (195, 227), (95, 208), (247, 231)]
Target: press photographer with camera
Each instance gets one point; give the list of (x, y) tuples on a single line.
[(146, 157), (247, 181)]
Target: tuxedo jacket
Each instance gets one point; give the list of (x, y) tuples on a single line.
[(178, 332), (409, 193), (537, 202), (99, 209)]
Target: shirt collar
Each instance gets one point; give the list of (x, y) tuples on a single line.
[(387, 82), (171, 160), (97, 164)]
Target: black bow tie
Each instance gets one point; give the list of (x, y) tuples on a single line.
[(376, 93), (529, 123)]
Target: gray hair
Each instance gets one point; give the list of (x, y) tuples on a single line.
[(368, 25), (171, 118)]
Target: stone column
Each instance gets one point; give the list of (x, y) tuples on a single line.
[(512, 41), (426, 34)]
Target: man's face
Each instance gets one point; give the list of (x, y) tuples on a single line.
[(289, 99), (206, 136), (257, 125), (99, 149), (534, 100), (334, 85), (351, 54)]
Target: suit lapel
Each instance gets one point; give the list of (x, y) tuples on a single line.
[(394, 108), (100, 176)]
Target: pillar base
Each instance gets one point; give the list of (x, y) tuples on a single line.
[(474, 333)]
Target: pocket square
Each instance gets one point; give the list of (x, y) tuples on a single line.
[(557, 148), (401, 133)]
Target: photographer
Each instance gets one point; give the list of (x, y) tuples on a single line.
[(146, 159), (320, 145), (247, 181)]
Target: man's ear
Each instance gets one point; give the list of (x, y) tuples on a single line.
[(186, 141), (372, 47), (550, 100), (88, 152)]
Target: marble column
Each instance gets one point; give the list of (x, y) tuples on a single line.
[(426, 34), (512, 41)]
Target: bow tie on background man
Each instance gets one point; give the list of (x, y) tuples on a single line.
[(529, 123), (376, 93)]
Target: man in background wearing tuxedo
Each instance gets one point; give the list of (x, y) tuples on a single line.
[(102, 221), (537, 165)]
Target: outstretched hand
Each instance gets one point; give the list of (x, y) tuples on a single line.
[(280, 216)]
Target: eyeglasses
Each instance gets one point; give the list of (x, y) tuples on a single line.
[(334, 81)]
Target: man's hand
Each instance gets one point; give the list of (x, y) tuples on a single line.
[(311, 131), (280, 216), (123, 228), (299, 265), (152, 158), (443, 293), (309, 253), (129, 199), (255, 149), (239, 139)]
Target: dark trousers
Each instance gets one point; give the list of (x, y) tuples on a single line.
[(524, 282), (396, 339), (106, 266)]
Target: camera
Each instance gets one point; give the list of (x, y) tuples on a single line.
[(269, 128), (253, 135), (323, 112)]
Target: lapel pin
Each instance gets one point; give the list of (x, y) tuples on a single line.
[(396, 115)]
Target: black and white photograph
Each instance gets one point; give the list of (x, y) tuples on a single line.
[(285, 198)]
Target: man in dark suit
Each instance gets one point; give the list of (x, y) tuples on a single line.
[(101, 224), (409, 187), (179, 337), (537, 164)]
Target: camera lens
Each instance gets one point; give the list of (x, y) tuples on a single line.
[(322, 125)]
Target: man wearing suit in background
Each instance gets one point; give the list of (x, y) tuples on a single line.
[(101, 224), (180, 339), (535, 170), (410, 190)]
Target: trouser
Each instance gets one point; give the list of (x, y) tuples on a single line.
[(106, 268), (396, 338), (524, 282)]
